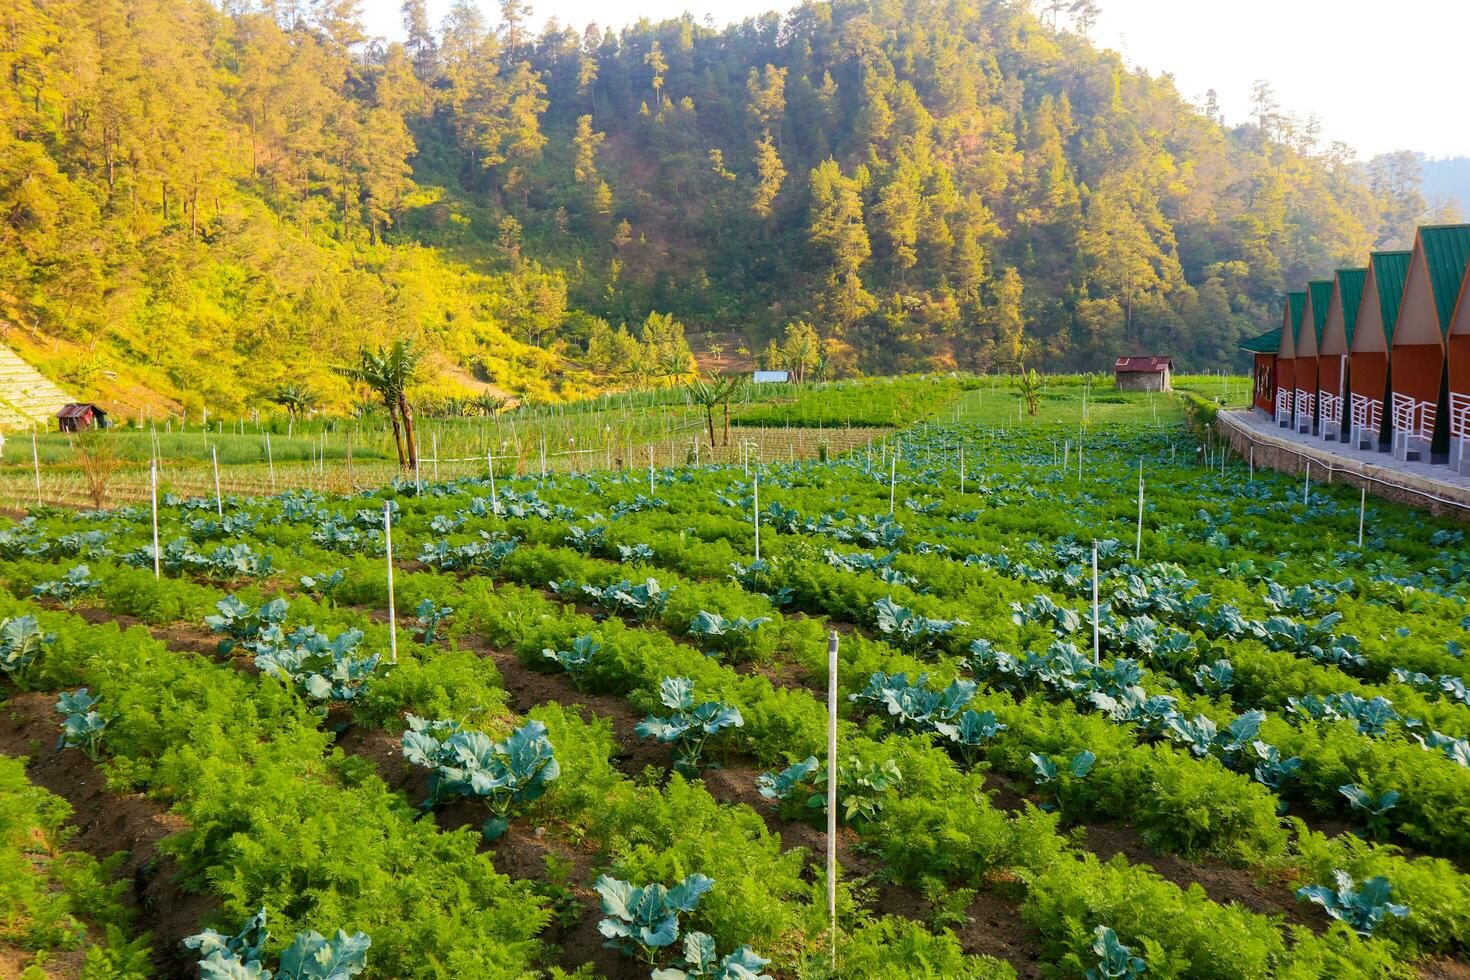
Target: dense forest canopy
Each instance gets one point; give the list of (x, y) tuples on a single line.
[(217, 201)]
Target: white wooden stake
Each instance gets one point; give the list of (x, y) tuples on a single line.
[(270, 461), (1253, 463), (756, 514), (1066, 455), (153, 494), (892, 481), (962, 469), (219, 501), (36, 463), (1096, 643), (1306, 482), (832, 642), (650, 470), (1362, 508), (392, 610), (494, 499), (1138, 546)]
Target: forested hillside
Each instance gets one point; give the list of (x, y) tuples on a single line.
[(210, 202)]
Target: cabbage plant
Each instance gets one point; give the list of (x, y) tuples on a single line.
[(69, 588), (21, 642), (702, 960), (464, 762), (690, 725), (311, 956), (641, 921), (1362, 908), (83, 725)]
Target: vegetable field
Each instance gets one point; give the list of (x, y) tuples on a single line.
[(576, 725)]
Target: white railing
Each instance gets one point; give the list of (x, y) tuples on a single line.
[(1283, 407), (1413, 425), (1304, 400), (1459, 430), (1329, 408), (1367, 420)]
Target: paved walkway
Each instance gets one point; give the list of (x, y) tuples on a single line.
[(1282, 449)]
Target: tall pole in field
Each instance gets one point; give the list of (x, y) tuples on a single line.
[(1306, 482), (36, 463), (650, 470), (1362, 509), (494, 499), (832, 791), (892, 481), (392, 611), (153, 495), (1096, 639), (1138, 546), (270, 461), (1253, 463), (756, 514), (962, 469), (219, 501)]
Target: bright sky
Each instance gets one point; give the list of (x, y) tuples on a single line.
[(1381, 74)]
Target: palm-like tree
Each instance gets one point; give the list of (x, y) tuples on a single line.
[(712, 393), (294, 398), (389, 371)]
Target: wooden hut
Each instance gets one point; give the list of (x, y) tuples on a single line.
[(1291, 318), (1334, 382), (76, 416), (1308, 343), (1264, 349), (1457, 352), (1419, 402), (1142, 373), (1368, 349)]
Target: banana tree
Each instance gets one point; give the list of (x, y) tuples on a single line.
[(710, 395), (389, 371)]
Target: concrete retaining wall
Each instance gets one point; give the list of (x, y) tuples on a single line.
[(1283, 455)]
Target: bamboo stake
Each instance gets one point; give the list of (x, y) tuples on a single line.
[(153, 495), (1096, 638), (832, 642), (219, 501), (756, 509), (270, 461), (36, 462), (1362, 508), (392, 610), (1138, 546)]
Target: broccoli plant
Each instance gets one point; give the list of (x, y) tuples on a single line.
[(642, 602), (323, 584), (756, 576), (629, 553), (463, 762), (430, 618), (691, 725), (784, 785), (1374, 809), (1215, 678), (1114, 960), (69, 588), (908, 630), (587, 541), (577, 660), (311, 956), (721, 635), (83, 725), (1047, 769), (324, 670), (642, 921), (21, 642), (1362, 909), (971, 731), (702, 960), (246, 627)]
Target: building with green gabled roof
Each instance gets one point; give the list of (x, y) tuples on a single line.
[(1291, 318), (1369, 347), (1308, 344), (1264, 348), (1419, 402), (1333, 378)]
